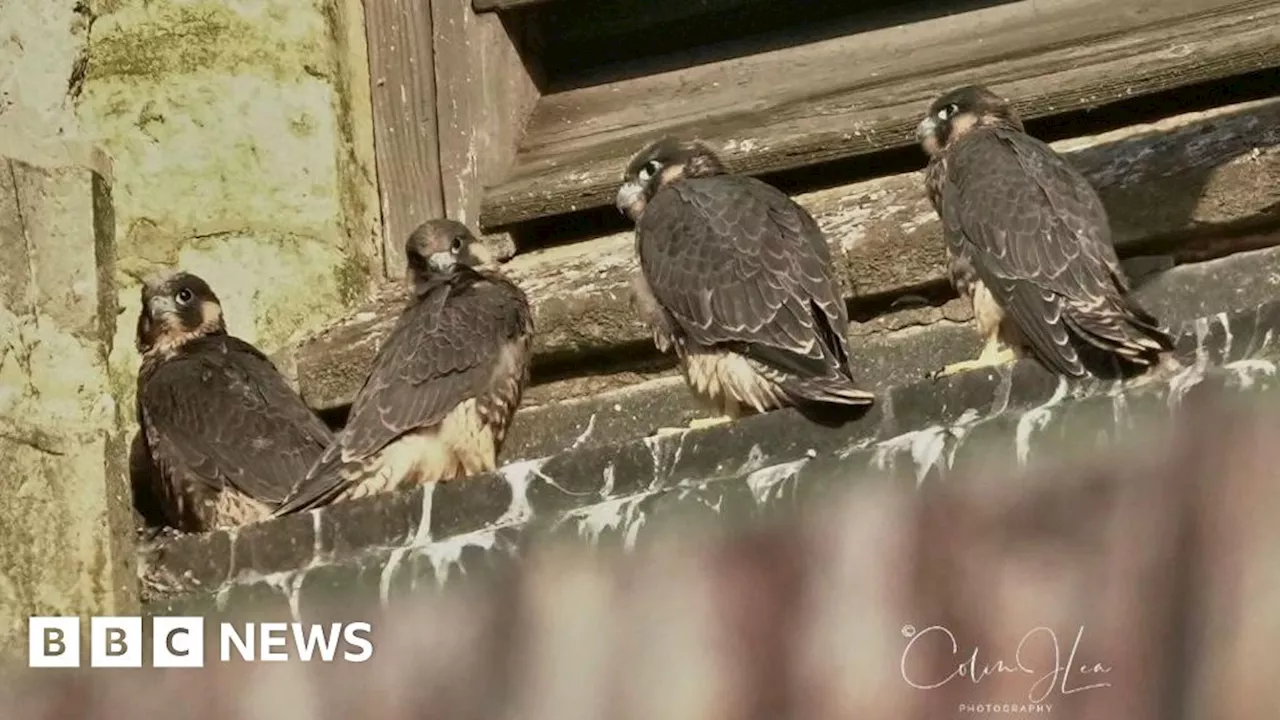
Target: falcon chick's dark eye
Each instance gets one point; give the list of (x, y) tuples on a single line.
[(650, 169), (456, 246), (184, 296)]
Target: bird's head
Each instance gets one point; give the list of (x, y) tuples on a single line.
[(438, 249), (177, 307), (660, 164), (960, 110)]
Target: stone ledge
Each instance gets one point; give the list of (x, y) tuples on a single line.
[(396, 542), (1151, 547), (1163, 182)]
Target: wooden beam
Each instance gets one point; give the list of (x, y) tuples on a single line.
[(1180, 178), (501, 5), (864, 93), (484, 95), (406, 142)]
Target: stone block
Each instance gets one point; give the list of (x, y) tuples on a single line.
[(66, 529), (242, 143)]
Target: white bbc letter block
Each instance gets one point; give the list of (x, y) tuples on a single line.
[(177, 642), (53, 642), (115, 642)]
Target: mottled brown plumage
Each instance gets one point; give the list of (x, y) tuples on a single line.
[(737, 279), (223, 437), (444, 386), (1029, 242)]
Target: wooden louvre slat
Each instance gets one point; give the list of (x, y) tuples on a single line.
[(863, 93)]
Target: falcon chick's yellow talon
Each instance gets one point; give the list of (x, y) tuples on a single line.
[(956, 368), (985, 360), (664, 431), (701, 423), (695, 424)]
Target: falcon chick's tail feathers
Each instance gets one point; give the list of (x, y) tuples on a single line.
[(835, 390), (805, 379), (324, 482), (1124, 329)]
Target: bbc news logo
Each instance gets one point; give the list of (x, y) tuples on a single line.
[(178, 642)]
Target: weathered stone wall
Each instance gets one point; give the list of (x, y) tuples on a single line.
[(66, 531), (235, 138), (242, 144)]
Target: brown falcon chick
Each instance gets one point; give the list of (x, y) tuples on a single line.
[(1028, 243), (444, 386), (736, 278), (223, 436)]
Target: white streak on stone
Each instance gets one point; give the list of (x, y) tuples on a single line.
[(1266, 342), (518, 475), (1201, 326), (925, 446), (859, 446), (1035, 419), (591, 426), (959, 430), (621, 513), (654, 443), (422, 535), (1247, 371), (421, 538), (765, 481), (664, 459), (755, 460), (679, 453), (1119, 406), (657, 450), (1227, 336), (1181, 383), (610, 477), (317, 546), (445, 554), (289, 585), (233, 534), (388, 572)]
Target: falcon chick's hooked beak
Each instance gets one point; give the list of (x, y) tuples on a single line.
[(176, 307), (630, 195), (957, 112), (927, 134), (928, 128), (160, 305), (442, 262), (437, 249)]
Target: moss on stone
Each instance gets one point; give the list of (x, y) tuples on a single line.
[(355, 179), (302, 125), (352, 277), (177, 38)]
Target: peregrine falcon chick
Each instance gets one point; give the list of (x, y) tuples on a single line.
[(223, 437), (1028, 243), (736, 278), (444, 386)]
